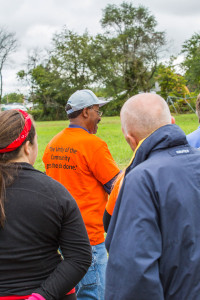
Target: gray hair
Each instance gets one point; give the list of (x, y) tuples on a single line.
[(143, 114)]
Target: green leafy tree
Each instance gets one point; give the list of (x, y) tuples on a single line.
[(105, 65), (45, 85), (119, 62), (191, 63), (47, 91), (171, 83), (66, 69), (12, 98), (71, 58), (134, 46)]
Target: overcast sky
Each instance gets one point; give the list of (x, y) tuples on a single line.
[(35, 21)]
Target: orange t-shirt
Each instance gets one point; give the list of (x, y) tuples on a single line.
[(83, 164), (110, 205)]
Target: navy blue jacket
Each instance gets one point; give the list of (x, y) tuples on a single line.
[(154, 235)]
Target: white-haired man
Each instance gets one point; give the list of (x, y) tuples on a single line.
[(154, 235)]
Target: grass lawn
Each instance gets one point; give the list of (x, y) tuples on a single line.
[(110, 131)]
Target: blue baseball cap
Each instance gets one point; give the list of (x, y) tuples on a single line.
[(83, 98)]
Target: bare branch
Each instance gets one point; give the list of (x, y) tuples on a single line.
[(8, 44)]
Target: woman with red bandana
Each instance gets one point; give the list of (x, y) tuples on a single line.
[(37, 216)]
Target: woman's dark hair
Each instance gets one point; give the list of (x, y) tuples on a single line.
[(11, 125)]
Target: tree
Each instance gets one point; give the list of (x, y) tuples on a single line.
[(66, 70), (191, 63), (71, 58), (120, 62), (47, 85), (135, 45), (13, 97), (171, 83), (106, 64), (35, 57), (8, 45)]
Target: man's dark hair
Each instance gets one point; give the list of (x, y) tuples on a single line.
[(74, 114)]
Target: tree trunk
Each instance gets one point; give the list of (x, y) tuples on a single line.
[(1, 85)]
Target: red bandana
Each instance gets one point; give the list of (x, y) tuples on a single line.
[(23, 135)]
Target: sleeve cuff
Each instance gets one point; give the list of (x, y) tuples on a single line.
[(36, 296)]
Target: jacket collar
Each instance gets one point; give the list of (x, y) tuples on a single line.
[(164, 137)]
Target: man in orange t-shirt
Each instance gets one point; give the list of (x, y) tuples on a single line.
[(83, 163)]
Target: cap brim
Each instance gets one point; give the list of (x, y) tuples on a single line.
[(102, 103)]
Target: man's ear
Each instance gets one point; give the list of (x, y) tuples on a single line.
[(85, 112), (131, 141), (172, 120)]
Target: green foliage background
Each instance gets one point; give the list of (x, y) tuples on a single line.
[(128, 57), (110, 131), (122, 59)]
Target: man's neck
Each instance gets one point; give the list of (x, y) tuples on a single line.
[(77, 126), (79, 122)]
